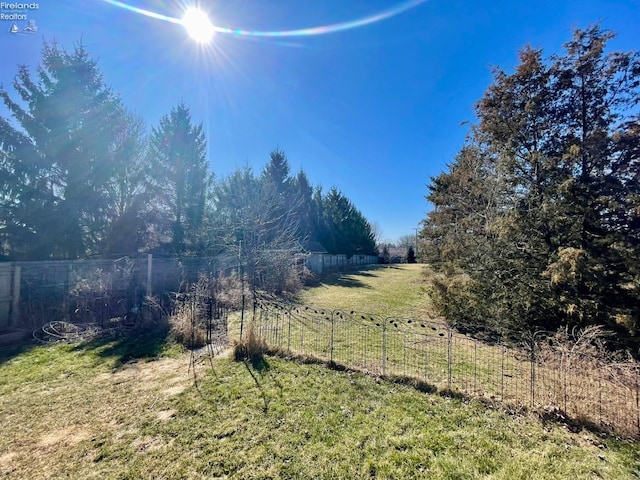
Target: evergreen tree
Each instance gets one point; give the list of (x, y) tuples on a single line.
[(304, 206), (536, 224), (136, 220), (276, 173), (57, 157), (277, 185), (345, 229), (178, 148), (600, 96), (411, 255)]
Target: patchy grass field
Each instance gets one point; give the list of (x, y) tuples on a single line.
[(124, 409), (132, 408), (382, 289)]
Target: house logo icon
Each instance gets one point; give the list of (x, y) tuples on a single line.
[(31, 27)]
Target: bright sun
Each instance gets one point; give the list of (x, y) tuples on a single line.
[(198, 25)]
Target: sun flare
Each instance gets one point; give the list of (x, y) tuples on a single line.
[(198, 25)]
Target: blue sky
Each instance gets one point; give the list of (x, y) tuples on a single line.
[(375, 110)]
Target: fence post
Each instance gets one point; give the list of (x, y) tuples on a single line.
[(449, 353), (533, 369), (15, 293), (67, 285), (599, 396), (242, 316), (149, 270), (475, 366), (637, 374), (289, 333), (502, 373), (384, 346), (331, 341)]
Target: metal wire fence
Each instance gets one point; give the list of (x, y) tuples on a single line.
[(94, 291), (523, 371)]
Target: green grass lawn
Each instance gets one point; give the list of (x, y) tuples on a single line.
[(421, 348), (94, 412), (382, 289), (132, 408)]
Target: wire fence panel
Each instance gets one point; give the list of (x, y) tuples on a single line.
[(357, 340), (524, 372), (96, 290)]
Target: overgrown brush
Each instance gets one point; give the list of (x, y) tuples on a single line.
[(188, 327), (200, 310), (251, 347)]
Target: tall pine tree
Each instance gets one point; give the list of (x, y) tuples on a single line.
[(178, 149), (57, 157)]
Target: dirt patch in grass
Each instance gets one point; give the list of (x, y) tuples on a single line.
[(68, 419), (165, 415), (63, 437)]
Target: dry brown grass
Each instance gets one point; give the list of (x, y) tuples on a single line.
[(250, 347), (188, 327), (199, 311)]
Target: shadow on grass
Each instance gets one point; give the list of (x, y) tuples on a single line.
[(364, 274), (349, 277), (260, 364), (343, 278), (338, 279), (349, 282), (8, 352), (556, 416), (134, 344)]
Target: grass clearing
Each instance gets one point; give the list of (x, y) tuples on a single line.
[(387, 290), (71, 412), (128, 408), (583, 388)]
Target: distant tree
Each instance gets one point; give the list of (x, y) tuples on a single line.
[(376, 231), (318, 218), (304, 206), (401, 246), (279, 187), (264, 220), (178, 149), (277, 173), (385, 255), (243, 209), (405, 241), (411, 255), (136, 219), (345, 229)]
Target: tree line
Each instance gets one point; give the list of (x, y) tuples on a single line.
[(536, 222), (80, 176)]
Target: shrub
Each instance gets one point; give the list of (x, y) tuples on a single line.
[(251, 347)]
